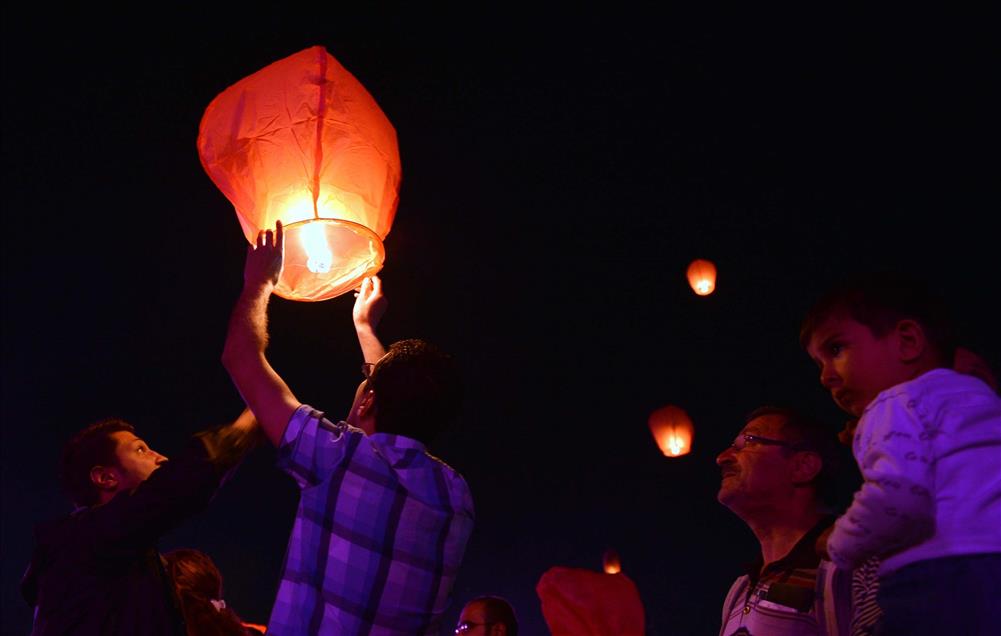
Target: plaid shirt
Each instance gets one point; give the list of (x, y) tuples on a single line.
[(379, 535)]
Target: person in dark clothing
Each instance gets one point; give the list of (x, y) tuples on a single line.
[(98, 571)]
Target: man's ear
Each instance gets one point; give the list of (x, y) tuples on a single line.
[(104, 478), (910, 340), (808, 465), (363, 411), (366, 403)]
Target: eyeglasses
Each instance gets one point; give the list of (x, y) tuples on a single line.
[(744, 439), (467, 626), (366, 369)]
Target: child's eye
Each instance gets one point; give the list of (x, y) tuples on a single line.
[(835, 348)]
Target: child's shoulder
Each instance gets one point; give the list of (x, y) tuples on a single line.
[(937, 386)]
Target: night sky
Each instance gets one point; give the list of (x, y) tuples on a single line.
[(559, 173)]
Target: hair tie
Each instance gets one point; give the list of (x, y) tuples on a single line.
[(218, 604)]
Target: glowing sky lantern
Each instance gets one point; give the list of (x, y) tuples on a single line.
[(702, 276), (610, 562), (303, 142), (673, 431)]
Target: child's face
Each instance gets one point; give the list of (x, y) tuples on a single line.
[(855, 365)]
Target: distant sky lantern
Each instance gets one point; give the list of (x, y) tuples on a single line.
[(610, 562), (702, 276), (673, 431), (303, 142)]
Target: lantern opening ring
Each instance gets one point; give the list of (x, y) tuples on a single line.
[(358, 228), (343, 253)]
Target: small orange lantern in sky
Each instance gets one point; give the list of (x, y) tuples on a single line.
[(610, 562), (303, 142), (702, 276), (672, 430)]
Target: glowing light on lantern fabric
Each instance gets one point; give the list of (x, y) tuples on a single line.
[(702, 276), (303, 142), (673, 431), (318, 254), (611, 562)]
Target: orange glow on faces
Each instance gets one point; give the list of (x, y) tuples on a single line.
[(702, 277), (673, 431)]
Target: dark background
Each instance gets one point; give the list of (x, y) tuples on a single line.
[(560, 172)]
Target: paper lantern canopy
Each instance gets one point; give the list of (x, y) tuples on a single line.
[(702, 276), (576, 601), (673, 430), (303, 142)]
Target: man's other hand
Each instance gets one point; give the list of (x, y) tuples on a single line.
[(370, 304), (264, 258)]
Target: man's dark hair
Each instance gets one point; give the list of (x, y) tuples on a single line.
[(498, 610), (93, 446), (881, 300), (417, 390), (812, 435)]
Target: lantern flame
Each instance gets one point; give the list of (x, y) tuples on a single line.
[(318, 254), (674, 445)]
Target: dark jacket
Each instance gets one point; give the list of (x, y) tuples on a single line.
[(98, 571)]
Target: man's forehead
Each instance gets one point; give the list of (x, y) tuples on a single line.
[(125, 437), (472, 611), (764, 424)]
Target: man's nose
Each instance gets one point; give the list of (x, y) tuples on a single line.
[(725, 457)]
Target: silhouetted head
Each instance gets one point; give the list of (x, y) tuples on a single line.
[(199, 588), (104, 459), (876, 331), (414, 390), (487, 616)]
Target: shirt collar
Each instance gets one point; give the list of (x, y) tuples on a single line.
[(802, 555), (397, 441)]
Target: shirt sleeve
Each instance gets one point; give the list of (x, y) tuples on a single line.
[(894, 508), (312, 446), (179, 489)]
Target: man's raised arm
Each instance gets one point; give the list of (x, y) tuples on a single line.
[(369, 307), (263, 390)]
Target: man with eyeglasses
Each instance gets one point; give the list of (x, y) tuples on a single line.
[(487, 616), (779, 476), (382, 525)]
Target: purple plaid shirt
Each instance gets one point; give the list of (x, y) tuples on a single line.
[(378, 537)]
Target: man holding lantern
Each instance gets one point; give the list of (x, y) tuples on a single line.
[(382, 525)]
